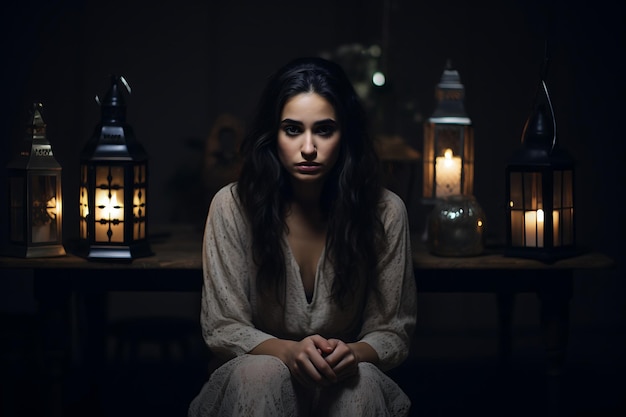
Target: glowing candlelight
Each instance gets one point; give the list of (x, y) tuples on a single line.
[(533, 221), (108, 207), (448, 174), (535, 228)]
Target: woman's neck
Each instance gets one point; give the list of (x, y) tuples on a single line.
[(305, 199)]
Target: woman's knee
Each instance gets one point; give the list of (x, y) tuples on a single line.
[(258, 370)]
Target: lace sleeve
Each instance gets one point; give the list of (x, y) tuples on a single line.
[(389, 320), (226, 313)]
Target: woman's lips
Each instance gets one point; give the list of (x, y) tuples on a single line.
[(308, 167)]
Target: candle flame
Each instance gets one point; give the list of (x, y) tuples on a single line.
[(540, 215)]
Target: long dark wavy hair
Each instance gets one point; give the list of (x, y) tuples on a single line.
[(351, 191)]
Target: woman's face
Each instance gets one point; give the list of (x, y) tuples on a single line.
[(308, 137)]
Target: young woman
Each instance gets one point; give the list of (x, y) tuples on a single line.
[(309, 294)]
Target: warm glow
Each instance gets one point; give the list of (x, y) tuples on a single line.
[(555, 228), (109, 208), (52, 207), (447, 174), (535, 228)]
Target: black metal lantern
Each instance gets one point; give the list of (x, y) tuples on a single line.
[(35, 212), (540, 190), (448, 142), (113, 186)]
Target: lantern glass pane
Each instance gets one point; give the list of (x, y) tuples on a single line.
[(557, 193), (532, 191), (17, 211), (83, 200), (448, 160), (563, 218), (139, 202), (447, 176), (109, 204), (468, 162), (449, 136), (43, 208), (515, 191), (517, 227), (534, 228), (429, 160), (568, 188), (567, 226)]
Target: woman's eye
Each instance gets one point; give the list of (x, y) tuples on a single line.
[(326, 131), (291, 130)]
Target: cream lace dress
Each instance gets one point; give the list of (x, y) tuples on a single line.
[(233, 323)]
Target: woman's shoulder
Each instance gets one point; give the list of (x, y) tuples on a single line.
[(227, 192), (391, 201), (226, 198)]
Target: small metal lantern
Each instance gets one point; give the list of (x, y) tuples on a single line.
[(35, 212), (540, 190), (113, 186), (448, 142)]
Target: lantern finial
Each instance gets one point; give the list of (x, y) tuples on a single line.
[(450, 94), (36, 128), (113, 107), (540, 127)]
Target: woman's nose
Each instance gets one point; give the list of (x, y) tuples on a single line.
[(309, 150)]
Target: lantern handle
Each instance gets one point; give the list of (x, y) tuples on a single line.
[(124, 83), (544, 75), (545, 90)]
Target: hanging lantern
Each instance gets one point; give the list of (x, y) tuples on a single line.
[(35, 212), (448, 142), (540, 189), (113, 185)]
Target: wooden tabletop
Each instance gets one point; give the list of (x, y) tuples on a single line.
[(179, 247)]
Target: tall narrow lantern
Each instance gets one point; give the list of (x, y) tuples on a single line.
[(540, 189), (113, 185), (448, 142), (35, 212)]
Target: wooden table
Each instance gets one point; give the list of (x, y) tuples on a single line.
[(176, 266)]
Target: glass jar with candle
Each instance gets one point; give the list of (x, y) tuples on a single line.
[(455, 227)]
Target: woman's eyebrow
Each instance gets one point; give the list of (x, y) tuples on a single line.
[(290, 121), (317, 123), (325, 122)]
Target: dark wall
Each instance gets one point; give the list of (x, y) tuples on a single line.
[(190, 61)]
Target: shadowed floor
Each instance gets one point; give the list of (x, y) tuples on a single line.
[(448, 374)]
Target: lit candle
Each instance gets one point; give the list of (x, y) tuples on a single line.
[(108, 207), (448, 174), (555, 228), (535, 224), (533, 221)]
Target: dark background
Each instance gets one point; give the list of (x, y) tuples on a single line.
[(190, 61)]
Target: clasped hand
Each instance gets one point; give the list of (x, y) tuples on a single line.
[(319, 362)]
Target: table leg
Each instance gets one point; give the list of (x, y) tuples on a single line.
[(506, 303), (93, 341), (555, 295), (54, 303)]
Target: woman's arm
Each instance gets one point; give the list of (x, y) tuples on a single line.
[(226, 313), (389, 319)]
